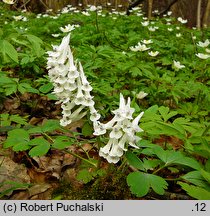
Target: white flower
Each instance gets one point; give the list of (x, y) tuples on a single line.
[(67, 28), (147, 41), (99, 128), (17, 18), (170, 29), (141, 95), (85, 13), (169, 13), (182, 20), (70, 84), (207, 50), (178, 35), (203, 44), (123, 128), (9, 1), (178, 65), (145, 23), (55, 35), (153, 54), (202, 55), (116, 132), (152, 29), (93, 8), (139, 47)]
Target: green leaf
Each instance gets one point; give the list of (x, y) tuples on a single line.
[(151, 164), (62, 142), (195, 192), (10, 89), (41, 148), (140, 183), (8, 49), (87, 129), (207, 165), (172, 157), (134, 161), (206, 175), (35, 130), (46, 88), (51, 125), (84, 176), (157, 183), (18, 119), (15, 137), (23, 146), (195, 178)]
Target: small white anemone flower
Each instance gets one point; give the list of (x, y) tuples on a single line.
[(207, 50), (147, 41), (18, 18), (92, 8), (170, 29), (67, 28), (141, 95), (9, 1), (178, 35), (182, 20), (178, 65), (203, 44), (169, 13), (202, 55), (55, 35), (85, 13), (153, 53), (152, 29), (139, 47), (145, 23)]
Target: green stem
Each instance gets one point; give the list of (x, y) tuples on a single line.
[(176, 179), (48, 137), (97, 27), (99, 146), (122, 165), (159, 169), (78, 156)]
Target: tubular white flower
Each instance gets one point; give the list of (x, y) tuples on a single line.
[(99, 128), (123, 128), (70, 84), (116, 132)]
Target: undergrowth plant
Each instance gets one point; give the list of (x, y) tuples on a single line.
[(161, 65)]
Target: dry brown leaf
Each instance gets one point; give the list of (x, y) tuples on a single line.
[(11, 171)]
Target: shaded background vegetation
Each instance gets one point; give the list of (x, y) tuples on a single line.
[(196, 11)]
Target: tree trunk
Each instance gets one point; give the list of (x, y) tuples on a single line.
[(198, 21), (206, 17), (150, 4)]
